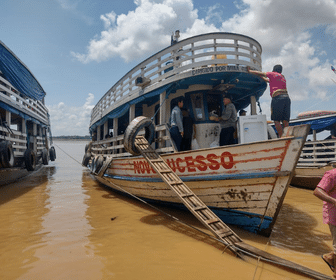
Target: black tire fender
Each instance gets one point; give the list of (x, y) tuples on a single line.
[(30, 160), (98, 164), (45, 158), (7, 154), (52, 153), (132, 131), (86, 159), (92, 164)]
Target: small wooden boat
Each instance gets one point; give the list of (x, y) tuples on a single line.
[(243, 184), (25, 135), (317, 156)]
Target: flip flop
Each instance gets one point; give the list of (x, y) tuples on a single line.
[(330, 266)]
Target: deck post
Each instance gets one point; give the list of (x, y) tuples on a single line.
[(132, 112), (24, 128), (115, 133), (98, 133), (8, 118), (105, 129), (34, 137), (163, 111), (253, 105)]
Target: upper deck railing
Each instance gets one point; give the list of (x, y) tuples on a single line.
[(318, 153), (182, 60), (33, 108)]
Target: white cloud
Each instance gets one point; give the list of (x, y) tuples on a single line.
[(108, 19), (143, 31), (71, 120), (285, 29)]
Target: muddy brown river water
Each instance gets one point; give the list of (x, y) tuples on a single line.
[(62, 224)]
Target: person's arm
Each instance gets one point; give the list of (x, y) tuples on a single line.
[(227, 113), (323, 195), (259, 73)]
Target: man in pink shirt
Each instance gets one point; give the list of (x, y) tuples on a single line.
[(280, 105), (326, 191)]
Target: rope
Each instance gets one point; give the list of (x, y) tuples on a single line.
[(311, 273), (67, 154), (314, 274)]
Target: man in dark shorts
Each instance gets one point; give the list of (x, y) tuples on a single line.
[(281, 103)]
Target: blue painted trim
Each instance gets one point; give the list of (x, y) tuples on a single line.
[(248, 221), (199, 178)]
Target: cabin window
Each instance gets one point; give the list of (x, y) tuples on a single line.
[(198, 106), (214, 102)]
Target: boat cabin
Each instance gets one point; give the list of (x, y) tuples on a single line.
[(201, 69)]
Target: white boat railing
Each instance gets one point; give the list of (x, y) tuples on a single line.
[(317, 153), (33, 108), (19, 141), (114, 146), (215, 52)]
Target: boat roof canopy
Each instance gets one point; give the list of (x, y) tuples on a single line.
[(317, 123), (19, 75)]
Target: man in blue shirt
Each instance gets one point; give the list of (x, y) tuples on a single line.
[(176, 123)]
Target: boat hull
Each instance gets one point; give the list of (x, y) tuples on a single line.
[(11, 175), (244, 185), (309, 177)]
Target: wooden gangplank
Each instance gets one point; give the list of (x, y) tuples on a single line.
[(196, 206), (209, 219)]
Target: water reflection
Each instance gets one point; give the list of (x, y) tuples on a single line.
[(296, 230), (22, 206), (63, 224)]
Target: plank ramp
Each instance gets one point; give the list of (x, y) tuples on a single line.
[(189, 199), (209, 219)]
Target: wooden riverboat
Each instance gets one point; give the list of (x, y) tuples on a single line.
[(25, 134), (318, 156), (243, 184)]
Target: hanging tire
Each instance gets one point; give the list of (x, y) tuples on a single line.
[(30, 160), (45, 156), (132, 131), (92, 164), (52, 153), (86, 159), (98, 164), (87, 146), (7, 154)]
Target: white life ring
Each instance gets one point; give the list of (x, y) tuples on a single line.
[(132, 131)]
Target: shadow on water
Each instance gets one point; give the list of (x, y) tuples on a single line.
[(158, 218), (24, 185), (295, 230)]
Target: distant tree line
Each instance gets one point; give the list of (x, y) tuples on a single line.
[(73, 137)]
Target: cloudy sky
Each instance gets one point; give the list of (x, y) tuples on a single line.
[(78, 49)]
